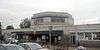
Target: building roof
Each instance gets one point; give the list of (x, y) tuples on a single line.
[(85, 28), (52, 14)]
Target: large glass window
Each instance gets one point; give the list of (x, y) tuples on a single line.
[(57, 19)]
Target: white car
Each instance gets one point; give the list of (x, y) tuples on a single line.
[(10, 47), (31, 46)]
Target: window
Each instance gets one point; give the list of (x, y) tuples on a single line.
[(59, 37), (57, 19), (39, 20), (88, 36), (43, 36), (96, 36), (81, 36)]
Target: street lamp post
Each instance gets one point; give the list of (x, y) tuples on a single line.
[(1, 37), (0, 31), (50, 30)]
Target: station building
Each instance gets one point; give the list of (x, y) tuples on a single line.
[(56, 28)]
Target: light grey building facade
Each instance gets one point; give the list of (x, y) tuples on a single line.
[(88, 34), (51, 27)]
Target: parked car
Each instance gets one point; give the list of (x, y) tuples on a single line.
[(31, 46), (10, 47), (45, 49)]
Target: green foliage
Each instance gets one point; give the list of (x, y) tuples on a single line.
[(25, 23), (0, 25)]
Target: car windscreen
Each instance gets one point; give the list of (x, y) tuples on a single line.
[(14, 48), (2, 48), (26, 47), (19, 48), (34, 46)]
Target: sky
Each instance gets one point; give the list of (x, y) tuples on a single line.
[(83, 11)]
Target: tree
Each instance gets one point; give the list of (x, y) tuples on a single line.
[(0, 28), (25, 23), (9, 27), (0, 25)]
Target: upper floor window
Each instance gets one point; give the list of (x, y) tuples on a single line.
[(39, 20), (57, 19)]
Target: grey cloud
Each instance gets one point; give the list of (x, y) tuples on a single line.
[(83, 11)]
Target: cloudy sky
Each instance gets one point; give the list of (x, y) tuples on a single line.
[(83, 11)]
